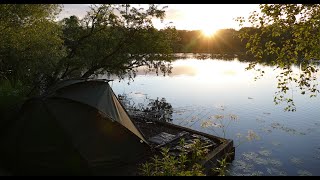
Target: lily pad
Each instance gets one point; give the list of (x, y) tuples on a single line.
[(304, 173), (265, 152), (296, 161), (275, 162)]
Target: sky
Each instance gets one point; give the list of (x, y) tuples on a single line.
[(208, 17)]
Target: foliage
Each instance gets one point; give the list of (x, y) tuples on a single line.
[(286, 34), (170, 165), (37, 51), (10, 100), (222, 170), (113, 39), (8, 92), (30, 42)]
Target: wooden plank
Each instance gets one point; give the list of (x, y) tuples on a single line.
[(215, 138), (178, 136), (224, 149)]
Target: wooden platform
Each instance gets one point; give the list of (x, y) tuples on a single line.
[(222, 148)]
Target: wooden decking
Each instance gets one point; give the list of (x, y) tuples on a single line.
[(222, 148)]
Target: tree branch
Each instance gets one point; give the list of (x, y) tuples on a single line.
[(91, 70)]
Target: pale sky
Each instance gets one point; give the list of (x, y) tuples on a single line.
[(187, 16)]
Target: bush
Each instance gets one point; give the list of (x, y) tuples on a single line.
[(185, 164), (11, 97)]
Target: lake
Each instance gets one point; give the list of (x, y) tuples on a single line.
[(209, 94)]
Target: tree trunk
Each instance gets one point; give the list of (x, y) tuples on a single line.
[(89, 72)]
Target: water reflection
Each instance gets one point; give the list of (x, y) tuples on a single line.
[(206, 68), (196, 90), (154, 110)]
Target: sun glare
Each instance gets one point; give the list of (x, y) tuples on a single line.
[(208, 31)]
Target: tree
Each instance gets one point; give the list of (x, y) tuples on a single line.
[(30, 42), (37, 51), (113, 39), (287, 34), (30, 45)]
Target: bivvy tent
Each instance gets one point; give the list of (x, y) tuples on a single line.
[(77, 128)]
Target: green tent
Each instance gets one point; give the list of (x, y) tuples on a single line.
[(78, 128)]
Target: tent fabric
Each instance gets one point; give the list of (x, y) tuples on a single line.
[(36, 145), (98, 139), (98, 94), (78, 129)]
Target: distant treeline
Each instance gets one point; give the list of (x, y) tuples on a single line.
[(224, 41)]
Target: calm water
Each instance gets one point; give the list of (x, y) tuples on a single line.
[(215, 92)]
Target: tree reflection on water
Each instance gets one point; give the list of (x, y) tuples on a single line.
[(155, 109)]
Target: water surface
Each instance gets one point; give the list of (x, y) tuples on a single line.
[(217, 92)]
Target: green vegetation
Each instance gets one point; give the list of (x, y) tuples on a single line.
[(36, 51), (222, 169), (10, 101), (30, 43), (186, 164), (286, 34)]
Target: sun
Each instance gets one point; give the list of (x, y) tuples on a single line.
[(208, 31)]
